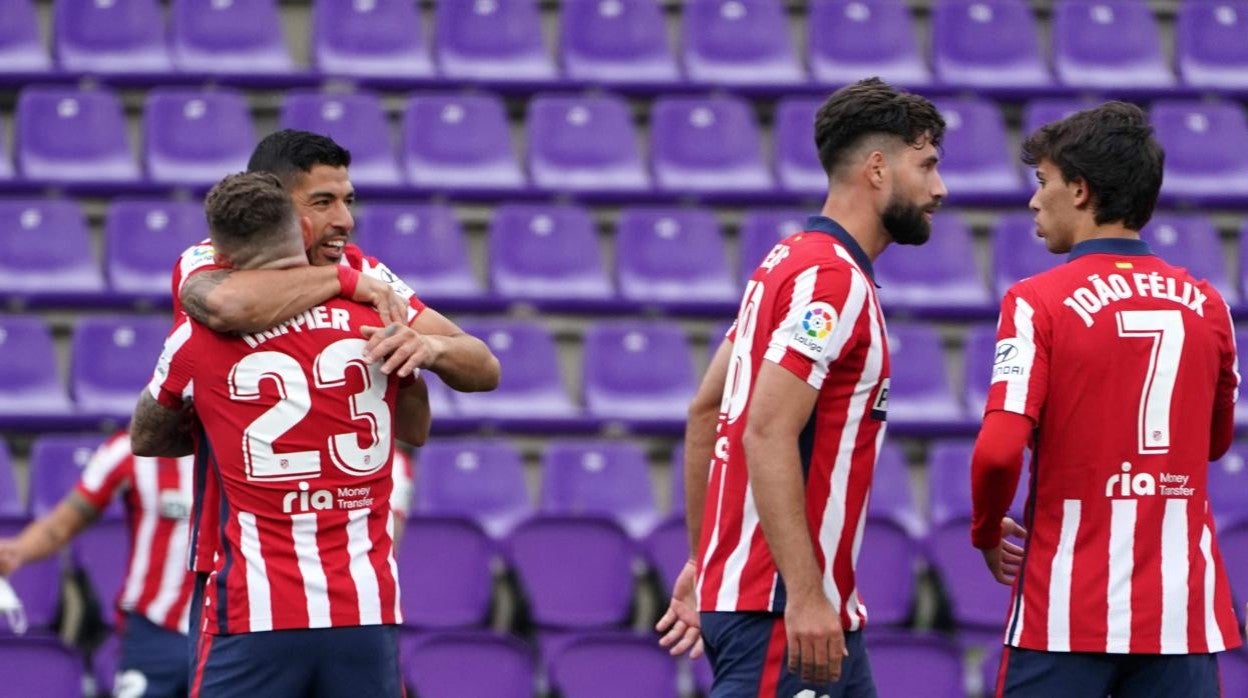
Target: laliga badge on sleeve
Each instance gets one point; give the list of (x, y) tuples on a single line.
[(814, 331), (12, 608)]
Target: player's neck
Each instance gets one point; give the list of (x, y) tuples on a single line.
[(1105, 232), (862, 224), (286, 262)]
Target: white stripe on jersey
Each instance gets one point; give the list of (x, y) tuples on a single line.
[(1174, 571), (1025, 333), (734, 566), (853, 607), (803, 292), (394, 573), (1121, 567), (855, 301), (259, 602), (1213, 634), (713, 543), (173, 574), (359, 543), (147, 487), (1234, 352), (308, 556), (173, 343), (103, 462), (1014, 630), (1059, 578)]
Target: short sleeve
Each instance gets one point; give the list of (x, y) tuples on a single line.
[(171, 382), (374, 268), (818, 320), (110, 470), (193, 260), (401, 490), (1020, 368)]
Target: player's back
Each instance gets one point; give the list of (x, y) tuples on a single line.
[(1129, 357)]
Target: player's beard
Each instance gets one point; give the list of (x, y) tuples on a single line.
[(905, 222)]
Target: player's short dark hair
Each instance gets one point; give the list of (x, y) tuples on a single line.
[(247, 212), (872, 107), (1112, 149), (290, 153)]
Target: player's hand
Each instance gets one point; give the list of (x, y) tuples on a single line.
[(1005, 560), (391, 306), (816, 641), (403, 348), (680, 625), (10, 557)]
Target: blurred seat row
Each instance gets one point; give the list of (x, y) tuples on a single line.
[(584, 145), (744, 43)]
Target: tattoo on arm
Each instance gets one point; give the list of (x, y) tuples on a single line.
[(195, 292), (157, 430), (82, 506)]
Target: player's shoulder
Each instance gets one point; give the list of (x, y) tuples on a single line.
[(357, 258)]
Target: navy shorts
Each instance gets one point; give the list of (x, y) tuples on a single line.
[(749, 658), (323, 662), (1035, 674), (153, 661)]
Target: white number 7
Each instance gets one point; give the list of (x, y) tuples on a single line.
[(1165, 329)]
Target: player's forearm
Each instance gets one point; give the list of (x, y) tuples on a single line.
[(779, 493), (700, 436), (52, 532), (996, 465), (412, 415), (255, 300), (157, 431), (465, 363)]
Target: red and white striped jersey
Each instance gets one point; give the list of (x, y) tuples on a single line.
[(297, 434), (157, 497), (810, 307), (1120, 360), (202, 257)]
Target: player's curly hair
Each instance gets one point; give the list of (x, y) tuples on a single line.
[(247, 212), (1112, 149), (872, 107)]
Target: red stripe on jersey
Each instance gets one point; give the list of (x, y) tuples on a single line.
[(773, 661), (204, 647)]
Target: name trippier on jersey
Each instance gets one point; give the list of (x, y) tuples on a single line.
[(318, 318), (1126, 484), (1100, 293)]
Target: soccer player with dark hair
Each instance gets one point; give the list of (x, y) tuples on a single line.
[(298, 435), (1119, 371), (785, 428)]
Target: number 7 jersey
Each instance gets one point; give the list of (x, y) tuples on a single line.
[(1120, 360), (297, 442)]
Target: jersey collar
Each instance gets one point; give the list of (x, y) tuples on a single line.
[(823, 224), (1119, 246)]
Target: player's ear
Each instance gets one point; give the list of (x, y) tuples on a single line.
[(1083, 195), (877, 168)]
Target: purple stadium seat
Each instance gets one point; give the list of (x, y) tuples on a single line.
[(531, 387), (224, 37), (479, 479), (39, 666), (104, 662), (45, 251), (910, 281), (1039, 112), (1191, 241), (989, 666), (851, 39), (979, 354), (444, 572), (195, 137), (1228, 487), (1206, 148), (797, 160), (140, 239), (706, 145), (676, 502), (56, 464), (675, 258), (886, 572), (357, 122), (1017, 252), (906, 664), (739, 42), (28, 375), (667, 549), (500, 666), (638, 372), (442, 271), (892, 498), (126, 36), (963, 58), (491, 40), (10, 501), (369, 39), (919, 389), (584, 144), (1209, 45), (21, 49), (547, 255), (976, 161), (71, 135), (1231, 539), (949, 483), (102, 551), (636, 665), (1108, 44), (600, 478), (38, 585), (6, 162), (616, 41), (459, 142), (1233, 672), (761, 229), (575, 571), (111, 359)]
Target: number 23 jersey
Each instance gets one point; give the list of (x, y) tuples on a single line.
[(1120, 360), (297, 437)]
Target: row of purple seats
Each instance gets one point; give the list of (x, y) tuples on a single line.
[(746, 43)]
